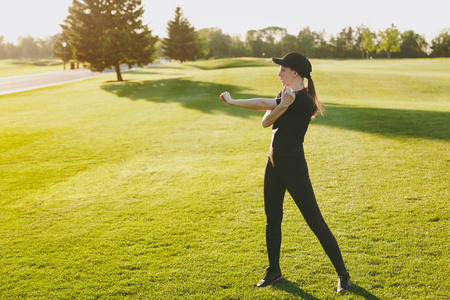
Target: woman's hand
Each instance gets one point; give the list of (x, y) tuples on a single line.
[(287, 96), (253, 103), (226, 97)]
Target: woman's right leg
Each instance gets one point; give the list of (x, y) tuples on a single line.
[(274, 191)]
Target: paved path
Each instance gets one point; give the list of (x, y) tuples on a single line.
[(14, 84)]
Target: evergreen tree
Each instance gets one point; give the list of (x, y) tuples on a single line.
[(109, 33), (182, 41)]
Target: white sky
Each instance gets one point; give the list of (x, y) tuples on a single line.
[(41, 18)]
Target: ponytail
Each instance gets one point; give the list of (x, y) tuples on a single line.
[(318, 108)]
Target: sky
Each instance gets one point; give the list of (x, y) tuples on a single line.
[(41, 18)]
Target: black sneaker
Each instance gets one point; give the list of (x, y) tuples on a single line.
[(270, 277), (344, 283)]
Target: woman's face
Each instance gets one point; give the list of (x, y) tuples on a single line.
[(287, 75)]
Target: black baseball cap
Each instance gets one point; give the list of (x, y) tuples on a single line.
[(297, 62)]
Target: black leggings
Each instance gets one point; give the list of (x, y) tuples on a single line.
[(291, 173)]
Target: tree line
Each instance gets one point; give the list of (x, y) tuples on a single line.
[(110, 33), (351, 42), (28, 47)]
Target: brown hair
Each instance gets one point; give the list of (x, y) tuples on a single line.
[(318, 108)]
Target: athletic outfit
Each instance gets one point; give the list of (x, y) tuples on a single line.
[(286, 169)]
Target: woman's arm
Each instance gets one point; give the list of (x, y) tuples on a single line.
[(255, 103), (272, 115), (287, 98)]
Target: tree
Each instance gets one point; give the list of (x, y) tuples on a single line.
[(254, 40), (339, 46), (238, 48), (358, 47), (440, 45), (218, 44), (29, 46), (273, 34), (46, 45), (347, 37), (368, 41), (182, 41), (322, 49), (2, 47), (389, 41), (412, 45), (306, 41), (271, 37), (289, 43), (12, 51), (109, 33)]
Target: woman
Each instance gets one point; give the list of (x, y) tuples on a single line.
[(290, 113)]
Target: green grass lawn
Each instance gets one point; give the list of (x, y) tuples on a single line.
[(16, 67), (152, 188)]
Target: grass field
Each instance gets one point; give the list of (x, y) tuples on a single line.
[(17, 67), (152, 188)]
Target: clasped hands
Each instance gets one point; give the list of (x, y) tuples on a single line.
[(287, 96)]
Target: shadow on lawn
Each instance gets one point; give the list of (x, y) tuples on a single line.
[(388, 122), (356, 289), (37, 62), (293, 289), (203, 96)]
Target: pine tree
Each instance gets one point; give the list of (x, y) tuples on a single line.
[(109, 33), (182, 41)]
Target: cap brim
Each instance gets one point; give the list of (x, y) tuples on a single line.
[(279, 61)]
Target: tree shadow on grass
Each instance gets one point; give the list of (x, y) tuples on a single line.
[(388, 122), (202, 96)]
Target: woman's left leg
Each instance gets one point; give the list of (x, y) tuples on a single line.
[(310, 210), (298, 184)]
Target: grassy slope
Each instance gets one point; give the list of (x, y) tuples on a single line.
[(16, 67), (152, 188)]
